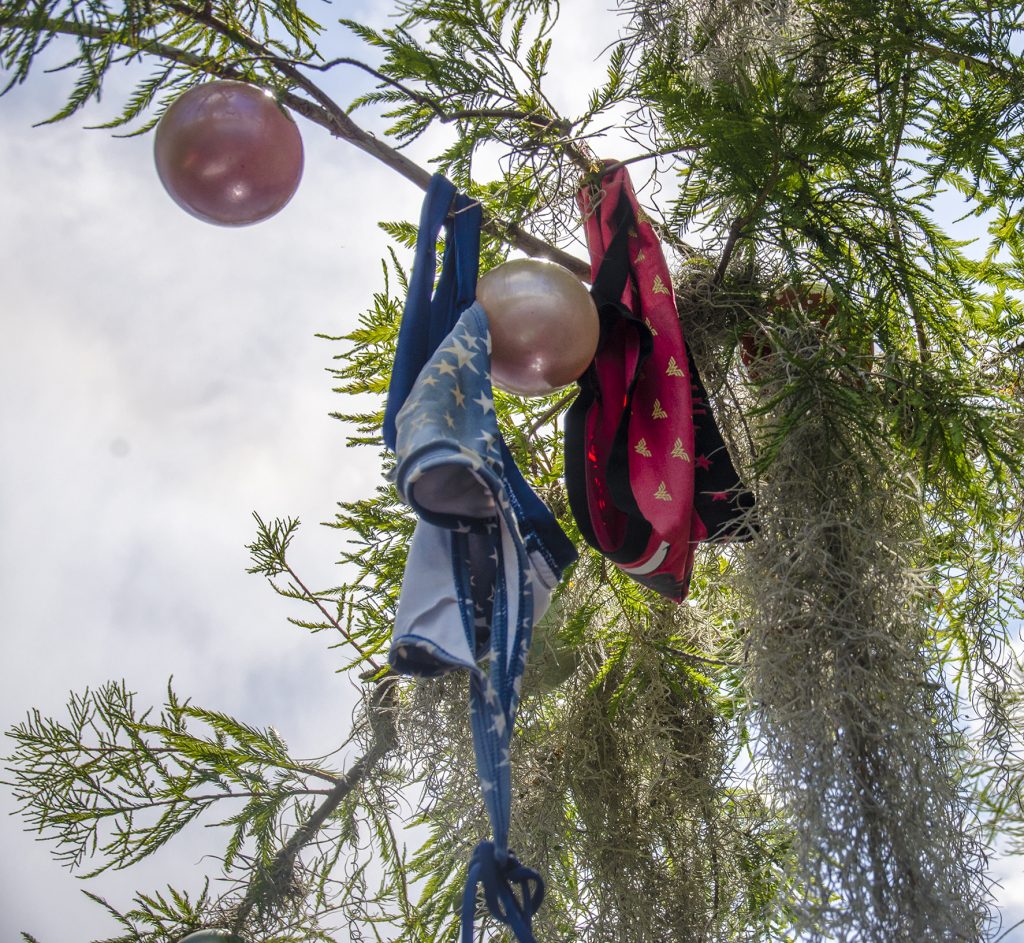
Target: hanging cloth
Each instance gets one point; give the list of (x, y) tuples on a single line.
[(486, 552), (647, 472)]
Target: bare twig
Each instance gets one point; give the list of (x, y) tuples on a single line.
[(550, 413), (313, 598), (662, 152)]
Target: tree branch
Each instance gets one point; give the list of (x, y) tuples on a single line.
[(1012, 352), (663, 152), (322, 110), (700, 659), (283, 864), (311, 597), (735, 232), (208, 798), (540, 121), (741, 223), (550, 413), (94, 752), (953, 57)]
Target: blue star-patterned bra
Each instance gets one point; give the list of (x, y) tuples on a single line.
[(486, 553)]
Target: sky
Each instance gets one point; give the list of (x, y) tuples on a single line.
[(159, 381)]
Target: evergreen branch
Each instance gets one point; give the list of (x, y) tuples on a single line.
[(741, 222), (625, 770), (135, 44), (445, 117), (74, 788), (887, 168), (282, 866), (700, 659), (396, 854), (322, 110), (130, 750), (1006, 354), (953, 57), (313, 598), (208, 799), (346, 128), (538, 121), (269, 553), (550, 413), (661, 152), (160, 915), (341, 124)]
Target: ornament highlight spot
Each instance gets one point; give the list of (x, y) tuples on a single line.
[(212, 935)]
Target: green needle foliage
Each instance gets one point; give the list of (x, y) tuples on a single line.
[(826, 741)]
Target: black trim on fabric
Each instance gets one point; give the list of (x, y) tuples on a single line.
[(576, 455), (729, 520), (608, 288)]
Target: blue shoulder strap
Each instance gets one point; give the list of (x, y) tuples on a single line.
[(427, 321)]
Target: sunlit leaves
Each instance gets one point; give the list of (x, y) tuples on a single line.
[(812, 142)]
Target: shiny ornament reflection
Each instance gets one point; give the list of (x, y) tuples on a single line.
[(212, 935), (544, 325), (228, 154)]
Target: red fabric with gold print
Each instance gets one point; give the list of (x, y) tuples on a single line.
[(631, 469)]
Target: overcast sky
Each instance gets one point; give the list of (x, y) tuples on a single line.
[(159, 381)]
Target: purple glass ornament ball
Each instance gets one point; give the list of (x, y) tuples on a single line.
[(228, 153), (544, 325)]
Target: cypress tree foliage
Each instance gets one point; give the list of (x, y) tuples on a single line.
[(826, 739)]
